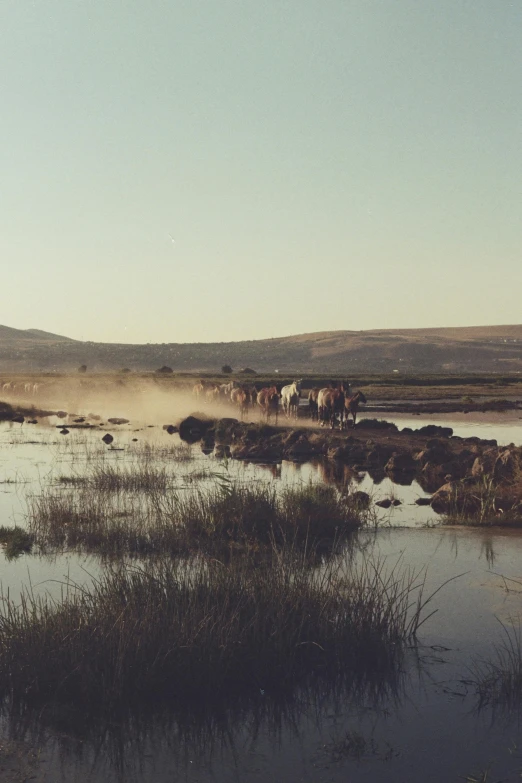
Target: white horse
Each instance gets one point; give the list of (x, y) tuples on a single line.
[(290, 398)]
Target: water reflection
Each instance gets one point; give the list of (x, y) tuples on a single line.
[(204, 740)]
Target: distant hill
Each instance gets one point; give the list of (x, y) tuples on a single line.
[(7, 333), (49, 335), (462, 349)]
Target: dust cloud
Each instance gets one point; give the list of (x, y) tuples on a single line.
[(142, 400)]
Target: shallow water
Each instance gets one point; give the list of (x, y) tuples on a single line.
[(505, 428), (426, 727)]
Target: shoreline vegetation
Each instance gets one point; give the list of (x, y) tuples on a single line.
[(165, 631), (121, 513), (472, 480)]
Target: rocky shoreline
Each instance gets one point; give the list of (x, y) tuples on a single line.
[(467, 476)]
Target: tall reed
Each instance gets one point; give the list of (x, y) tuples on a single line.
[(205, 630), (167, 520), (498, 681)]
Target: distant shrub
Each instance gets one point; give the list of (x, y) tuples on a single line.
[(125, 370), (165, 369), (248, 371), (82, 368), (226, 369)]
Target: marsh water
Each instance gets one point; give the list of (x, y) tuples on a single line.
[(425, 724)]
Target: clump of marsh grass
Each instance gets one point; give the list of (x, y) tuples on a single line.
[(486, 504), (112, 524), (180, 521), (144, 477), (176, 452), (206, 631), (15, 541), (317, 511), (134, 476), (498, 681)]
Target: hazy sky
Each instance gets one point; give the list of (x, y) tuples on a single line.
[(321, 164)]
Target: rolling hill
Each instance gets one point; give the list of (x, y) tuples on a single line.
[(452, 349)]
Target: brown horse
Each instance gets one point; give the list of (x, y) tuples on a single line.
[(241, 398), (268, 401), (330, 406), (351, 405)]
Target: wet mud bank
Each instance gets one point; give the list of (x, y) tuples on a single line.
[(471, 479)]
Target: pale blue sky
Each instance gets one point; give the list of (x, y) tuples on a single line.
[(322, 164)]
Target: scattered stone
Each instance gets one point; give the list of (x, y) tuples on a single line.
[(226, 427), (33, 421), (193, 428), (379, 455), (400, 463), (376, 424), (338, 452), (117, 420), (64, 431), (442, 499), (61, 414), (80, 420), (18, 419), (385, 503), (456, 496), (301, 449), (433, 430), (170, 428), (423, 501), (107, 438)]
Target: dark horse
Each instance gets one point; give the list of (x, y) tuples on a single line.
[(351, 405)]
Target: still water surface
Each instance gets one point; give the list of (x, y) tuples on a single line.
[(427, 726)]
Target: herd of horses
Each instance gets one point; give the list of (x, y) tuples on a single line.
[(331, 406)]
